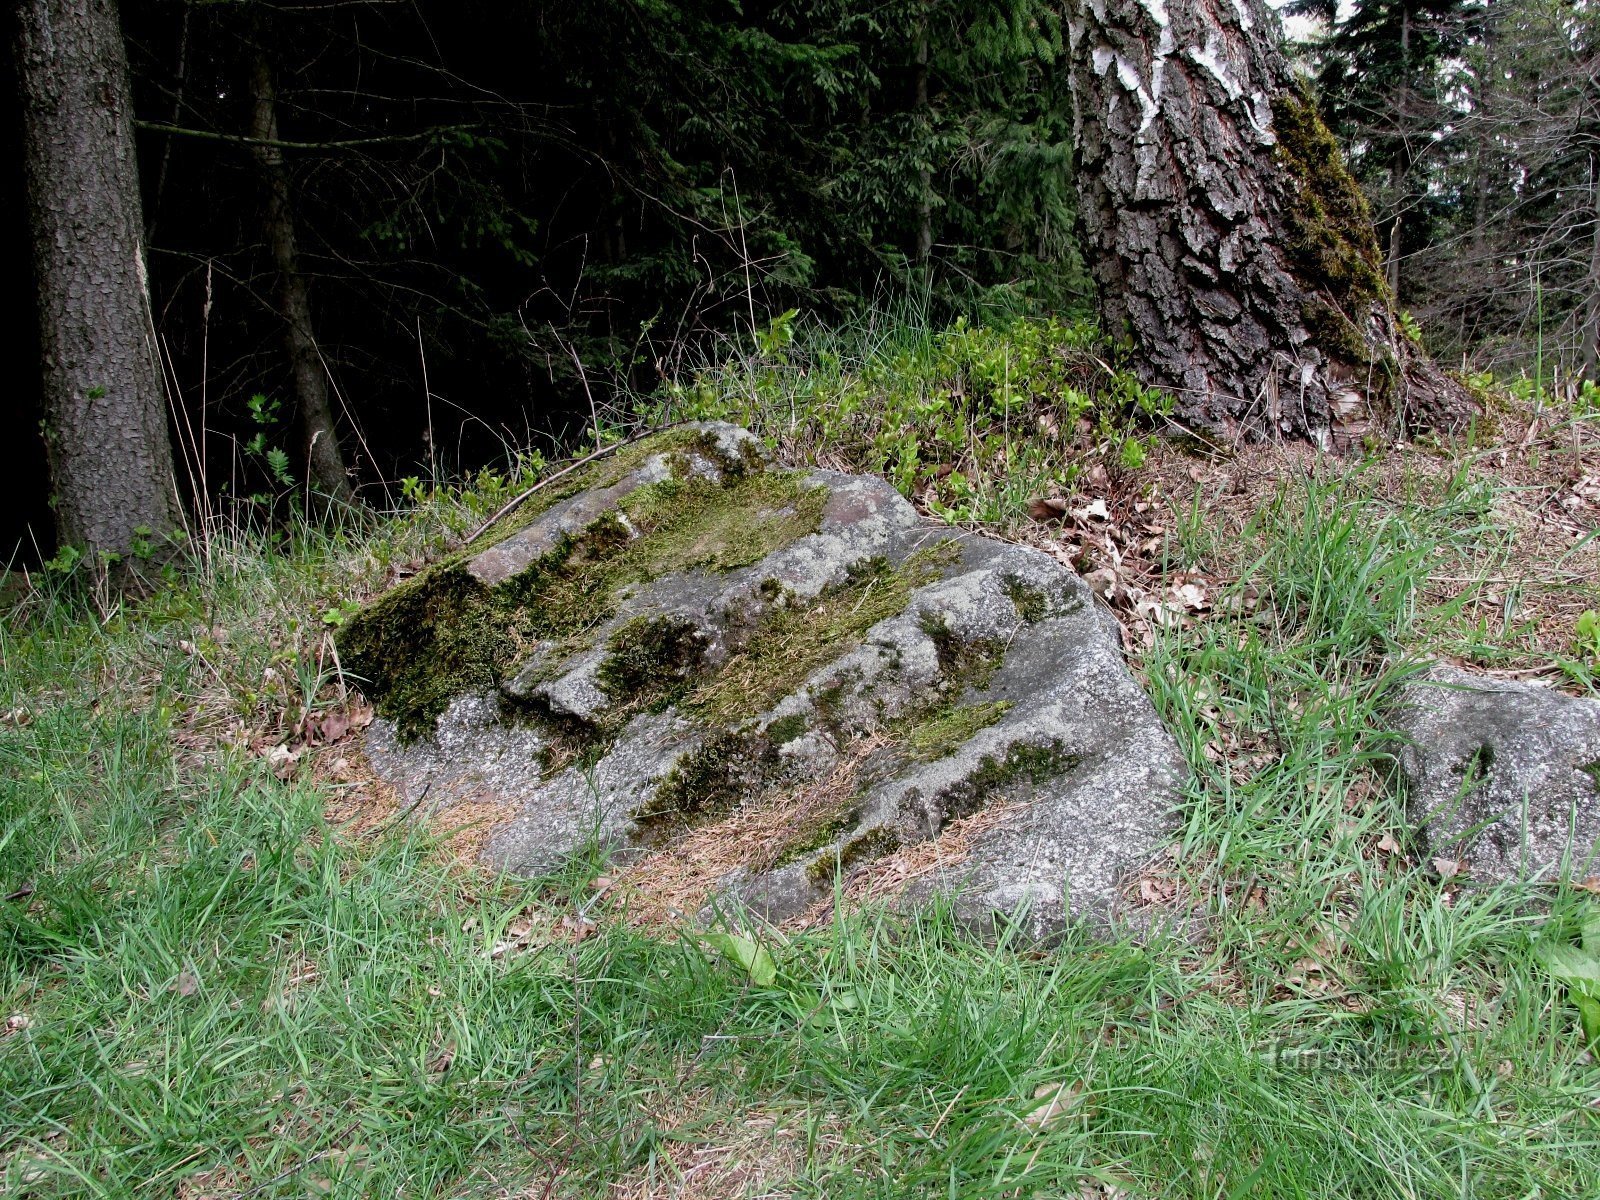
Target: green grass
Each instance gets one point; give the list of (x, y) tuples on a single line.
[(952, 416), (217, 993)]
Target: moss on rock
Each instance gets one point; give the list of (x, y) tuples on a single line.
[(786, 729), (650, 660), (945, 730), (1031, 603), (866, 846), (789, 641), (445, 632), (1023, 762), (726, 768)]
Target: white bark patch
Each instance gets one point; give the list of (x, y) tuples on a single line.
[(1128, 74), (1212, 61), (1102, 57), (1165, 45), (1261, 118), (1242, 7), (1158, 11)]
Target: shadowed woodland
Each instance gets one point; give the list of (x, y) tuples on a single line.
[(720, 599), (443, 232)]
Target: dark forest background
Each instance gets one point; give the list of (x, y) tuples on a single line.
[(508, 211)]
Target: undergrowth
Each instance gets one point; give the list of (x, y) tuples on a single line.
[(975, 420), (210, 987)]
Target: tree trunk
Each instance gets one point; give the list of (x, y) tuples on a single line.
[(104, 404), (324, 461), (1225, 234), (1591, 300), (919, 101), (1400, 169)]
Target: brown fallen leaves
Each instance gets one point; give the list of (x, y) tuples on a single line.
[(316, 727), (1118, 545), (534, 928)]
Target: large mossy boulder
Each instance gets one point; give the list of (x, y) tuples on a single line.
[(688, 632)]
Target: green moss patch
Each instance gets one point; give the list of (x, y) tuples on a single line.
[(814, 835), (1023, 762), (786, 729), (726, 769), (650, 660), (866, 846), (790, 641), (962, 664), (444, 632), (944, 731), (1332, 248), (1031, 603)]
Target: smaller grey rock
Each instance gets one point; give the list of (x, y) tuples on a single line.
[(1502, 775)]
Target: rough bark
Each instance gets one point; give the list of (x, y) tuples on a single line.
[(1591, 300), (1225, 235), (104, 405), (919, 103), (307, 372)]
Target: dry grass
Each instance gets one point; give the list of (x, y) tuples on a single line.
[(673, 883), (886, 877), (744, 1157)]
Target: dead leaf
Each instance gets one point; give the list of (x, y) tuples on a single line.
[(186, 984), (1387, 844), (16, 1023), (442, 1061), (359, 712), (282, 759), (334, 726), (1448, 868), (576, 927), (1052, 1103), (1103, 581), (1051, 508)]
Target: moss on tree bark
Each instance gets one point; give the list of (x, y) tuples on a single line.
[(1225, 235)]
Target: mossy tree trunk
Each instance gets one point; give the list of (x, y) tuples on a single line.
[(1225, 235), (105, 409)]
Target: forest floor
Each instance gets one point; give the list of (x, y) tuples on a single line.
[(230, 967)]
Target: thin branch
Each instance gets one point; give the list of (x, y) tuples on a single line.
[(353, 143)]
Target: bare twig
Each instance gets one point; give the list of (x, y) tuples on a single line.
[(565, 471)]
